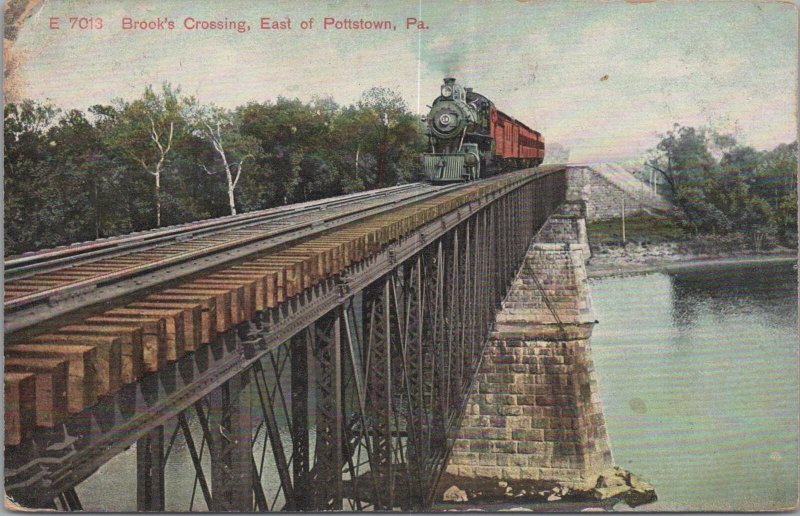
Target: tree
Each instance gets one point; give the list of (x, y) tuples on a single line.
[(222, 129), (682, 157), (27, 147), (775, 176), (145, 130), (702, 215), (731, 195), (61, 183), (83, 163), (739, 163), (391, 133), (25, 128), (292, 136)]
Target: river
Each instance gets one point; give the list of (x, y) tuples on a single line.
[(698, 374)]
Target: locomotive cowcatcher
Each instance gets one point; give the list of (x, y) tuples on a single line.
[(470, 138)]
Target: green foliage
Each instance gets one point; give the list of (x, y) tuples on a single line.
[(133, 164), (786, 219), (682, 157), (743, 190)]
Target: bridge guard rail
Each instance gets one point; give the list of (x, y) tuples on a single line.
[(386, 351)]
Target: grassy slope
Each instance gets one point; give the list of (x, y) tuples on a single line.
[(638, 228)]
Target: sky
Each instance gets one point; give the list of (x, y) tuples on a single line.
[(600, 78)]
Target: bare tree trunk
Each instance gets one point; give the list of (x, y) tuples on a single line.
[(228, 175), (96, 201), (231, 199), (158, 198), (163, 151)]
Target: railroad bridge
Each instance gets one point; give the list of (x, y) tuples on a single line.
[(309, 357)]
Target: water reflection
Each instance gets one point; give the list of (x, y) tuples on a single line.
[(698, 373), (760, 289)]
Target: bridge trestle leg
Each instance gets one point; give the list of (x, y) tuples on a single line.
[(326, 477), (379, 398), (300, 368), (229, 435), (150, 471)]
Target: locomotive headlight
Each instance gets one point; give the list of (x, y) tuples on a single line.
[(447, 91)]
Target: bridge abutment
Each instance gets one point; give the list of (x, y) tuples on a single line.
[(534, 411)]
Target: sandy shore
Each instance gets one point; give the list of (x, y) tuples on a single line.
[(665, 257)]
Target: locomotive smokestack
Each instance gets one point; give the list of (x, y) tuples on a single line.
[(449, 80)]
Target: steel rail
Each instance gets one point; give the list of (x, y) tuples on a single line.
[(22, 266)]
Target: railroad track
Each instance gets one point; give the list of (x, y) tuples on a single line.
[(154, 297), (39, 275), (43, 285)]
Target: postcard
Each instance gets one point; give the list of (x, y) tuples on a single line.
[(426, 255)]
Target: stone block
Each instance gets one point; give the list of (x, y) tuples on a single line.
[(529, 473), (508, 410), (461, 445), (482, 445), (503, 446), (498, 422), (488, 471), (518, 422), (466, 471), (512, 473), (537, 449), (464, 458), (529, 400), (488, 459), (527, 435)]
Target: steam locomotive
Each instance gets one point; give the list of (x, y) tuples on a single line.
[(470, 138)]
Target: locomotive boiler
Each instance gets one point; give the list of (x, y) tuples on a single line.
[(470, 138)]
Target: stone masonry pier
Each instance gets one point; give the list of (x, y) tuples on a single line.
[(534, 411)]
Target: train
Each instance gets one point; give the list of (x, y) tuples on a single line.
[(470, 138)]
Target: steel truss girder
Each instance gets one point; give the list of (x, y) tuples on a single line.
[(424, 314)]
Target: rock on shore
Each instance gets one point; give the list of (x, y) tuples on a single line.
[(621, 484), (613, 485)]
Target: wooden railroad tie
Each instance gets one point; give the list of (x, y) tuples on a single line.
[(51, 386), (83, 368), (20, 405), (109, 356)]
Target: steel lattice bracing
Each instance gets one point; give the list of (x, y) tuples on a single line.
[(347, 396)]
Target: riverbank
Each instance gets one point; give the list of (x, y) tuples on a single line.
[(658, 243), (643, 258)]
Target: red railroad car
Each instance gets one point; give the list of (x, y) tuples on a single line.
[(513, 139)]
